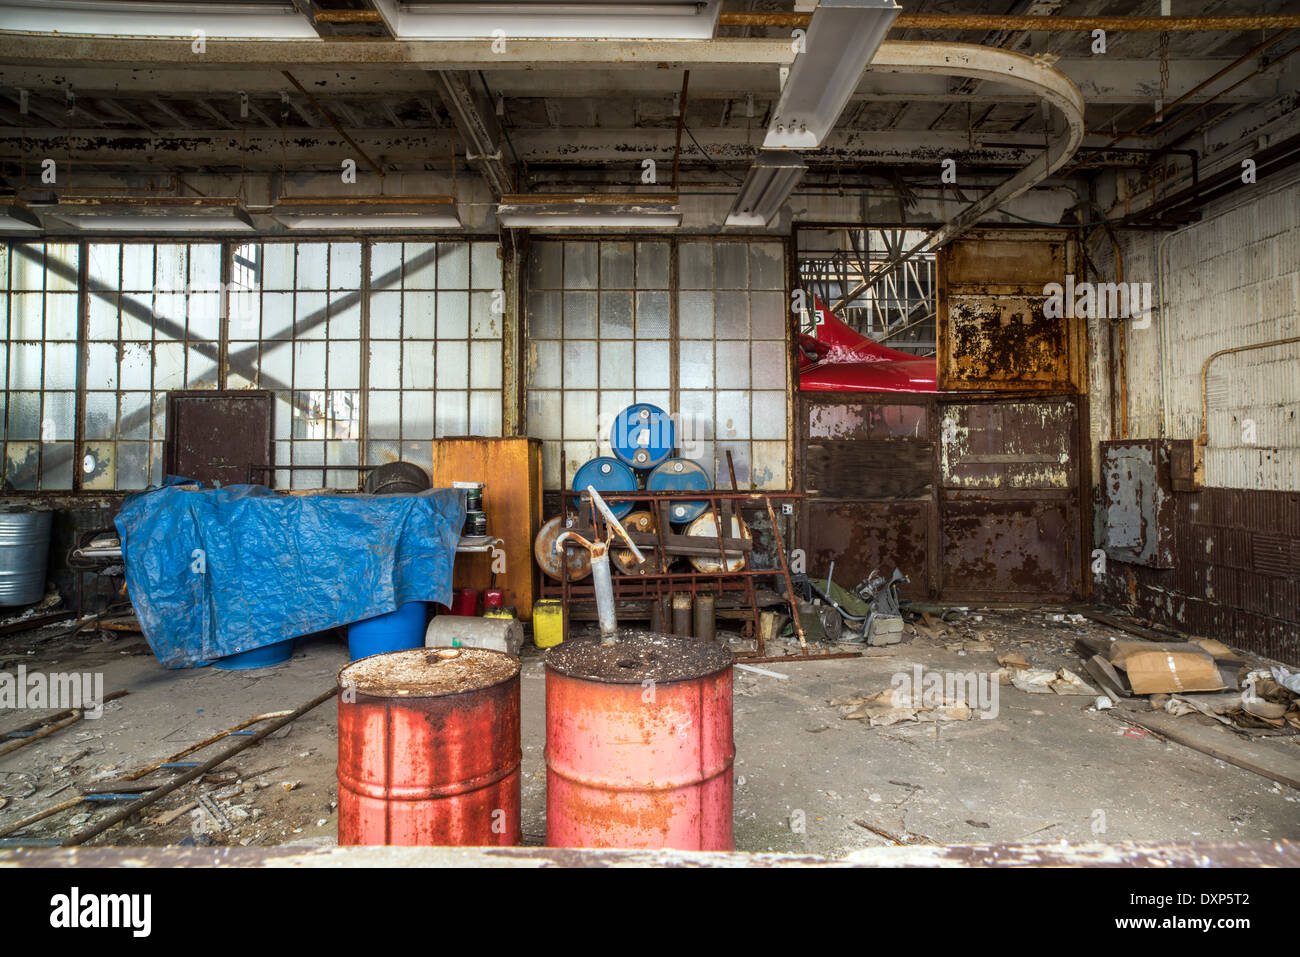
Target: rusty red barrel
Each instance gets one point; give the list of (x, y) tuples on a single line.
[(429, 748), (639, 745)]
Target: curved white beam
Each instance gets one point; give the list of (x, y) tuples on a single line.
[(988, 63)]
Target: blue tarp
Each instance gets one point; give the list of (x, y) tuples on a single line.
[(213, 572)]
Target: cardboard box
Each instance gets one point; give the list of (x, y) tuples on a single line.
[(1166, 667)]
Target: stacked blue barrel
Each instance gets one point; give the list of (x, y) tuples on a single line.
[(643, 439)]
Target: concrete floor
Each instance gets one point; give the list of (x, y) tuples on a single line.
[(1046, 768)]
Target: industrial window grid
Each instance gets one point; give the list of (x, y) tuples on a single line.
[(372, 348), (698, 327)]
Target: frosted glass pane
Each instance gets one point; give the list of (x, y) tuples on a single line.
[(345, 316), (418, 318), (485, 322), (579, 364), (345, 365), (769, 415), (652, 315), (453, 315), (695, 315), (310, 315), (544, 368), (616, 270), (485, 365), (205, 267), (766, 266), (312, 260), (695, 364), (453, 365), (732, 315), (418, 412), (733, 365), (453, 413), (421, 266), (616, 365), (453, 265), (485, 413), (580, 315), (580, 417), (309, 365), (544, 415), (386, 315), (546, 266), (135, 369), (384, 414), (485, 266), (651, 265), (767, 315), (732, 419), (616, 315), (580, 260), (732, 263), (345, 266), (652, 365), (544, 314), (385, 265), (696, 265)]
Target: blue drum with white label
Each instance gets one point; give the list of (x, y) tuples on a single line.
[(643, 435), (605, 474), (681, 475)]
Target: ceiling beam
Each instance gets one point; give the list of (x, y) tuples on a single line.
[(476, 121)]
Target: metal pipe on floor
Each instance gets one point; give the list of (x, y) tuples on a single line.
[(163, 790)]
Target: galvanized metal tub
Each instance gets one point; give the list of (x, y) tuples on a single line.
[(429, 748), (24, 552), (639, 744)]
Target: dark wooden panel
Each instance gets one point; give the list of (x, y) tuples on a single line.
[(215, 436), (890, 469)]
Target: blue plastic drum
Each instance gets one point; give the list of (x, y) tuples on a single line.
[(605, 474), (643, 436), (681, 475), (265, 657), (398, 630)]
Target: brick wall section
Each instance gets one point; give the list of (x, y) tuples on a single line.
[(1236, 574)]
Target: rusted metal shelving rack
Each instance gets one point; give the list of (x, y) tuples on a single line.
[(657, 586)]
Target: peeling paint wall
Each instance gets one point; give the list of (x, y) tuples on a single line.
[(1230, 280)]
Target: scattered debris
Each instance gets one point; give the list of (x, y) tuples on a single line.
[(892, 706), (1061, 681)]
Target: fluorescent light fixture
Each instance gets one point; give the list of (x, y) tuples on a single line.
[(541, 211), (767, 186), (547, 20), (367, 212), (16, 217), (152, 214), (133, 18), (842, 38)]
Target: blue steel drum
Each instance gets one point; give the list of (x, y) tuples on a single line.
[(681, 475), (643, 435), (605, 474)]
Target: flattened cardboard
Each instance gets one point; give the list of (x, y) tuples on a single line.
[(1166, 667)]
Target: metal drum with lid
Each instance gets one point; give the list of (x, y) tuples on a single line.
[(429, 748), (639, 744), (677, 475), (550, 561), (24, 553), (623, 559), (605, 474), (707, 527), (643, 435)]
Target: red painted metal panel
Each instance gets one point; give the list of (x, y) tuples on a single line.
[(419, 765), (639, 744)]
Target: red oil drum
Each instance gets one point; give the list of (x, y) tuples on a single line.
[(429, 748), (493, 598), (639, 745)]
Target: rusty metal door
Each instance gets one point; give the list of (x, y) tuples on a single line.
[(993, 334), (868, 467), (1009, 499), (217, 437)]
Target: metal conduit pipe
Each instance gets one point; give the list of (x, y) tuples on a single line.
[(1203, 440)]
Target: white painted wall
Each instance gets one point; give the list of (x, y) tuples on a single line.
[(1231, 279)]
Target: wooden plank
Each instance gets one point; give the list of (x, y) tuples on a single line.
[(1263, 759)]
